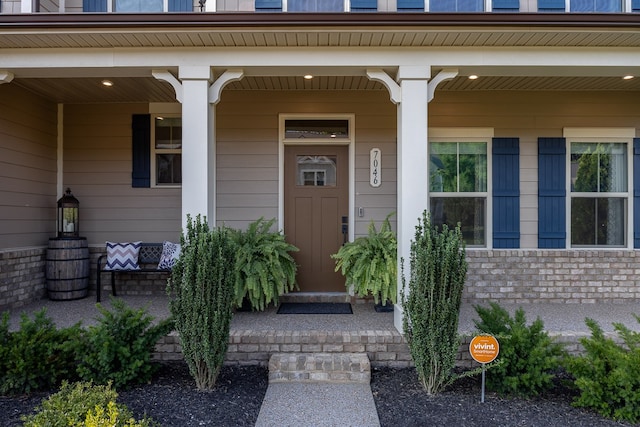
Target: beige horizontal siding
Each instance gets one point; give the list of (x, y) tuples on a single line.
[(28, 132), (247, 161), (528, 116), (98, 169), (98, 152)]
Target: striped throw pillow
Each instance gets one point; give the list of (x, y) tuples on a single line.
[(123, 256)]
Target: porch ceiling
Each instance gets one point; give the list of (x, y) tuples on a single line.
[(65, 32), (148, 89)]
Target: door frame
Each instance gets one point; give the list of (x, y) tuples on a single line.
[(352, 158)]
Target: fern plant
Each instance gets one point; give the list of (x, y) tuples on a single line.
[(265, 269), (369, 264)]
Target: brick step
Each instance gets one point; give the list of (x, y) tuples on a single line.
[(320, 367)]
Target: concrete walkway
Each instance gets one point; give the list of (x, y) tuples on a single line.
[(318, 405)]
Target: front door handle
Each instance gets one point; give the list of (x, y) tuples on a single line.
[(345, 229)]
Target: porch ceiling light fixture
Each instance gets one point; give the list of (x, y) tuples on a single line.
[(628, 77), (308, 77), (473, 77), (107, 83)]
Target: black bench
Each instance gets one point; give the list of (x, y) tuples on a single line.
[(148, 260)]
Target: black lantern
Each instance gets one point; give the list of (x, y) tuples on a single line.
[(68, 216)]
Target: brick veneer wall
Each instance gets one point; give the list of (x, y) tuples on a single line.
[(384, 348), (553, 276), (22, 277)]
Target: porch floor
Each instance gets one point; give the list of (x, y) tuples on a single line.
[(257, 335)]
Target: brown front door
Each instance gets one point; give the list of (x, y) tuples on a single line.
[(316, 200)]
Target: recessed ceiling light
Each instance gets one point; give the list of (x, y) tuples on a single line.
[(629, 77), (107, 83), (473, 77), (308, 76)]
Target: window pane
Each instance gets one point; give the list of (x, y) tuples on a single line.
[(138, 5), (598, 167), (458, 167), (315, 5), (473, 167), (598, 221), (596, 6), (169, 168), (168, 133), (317, 171), (443, 167), (456, 6), (470, 212), (608, 6), (316, 128)]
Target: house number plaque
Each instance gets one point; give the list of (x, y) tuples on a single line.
[(375, 177)]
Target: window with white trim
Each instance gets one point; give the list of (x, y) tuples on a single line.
[(139, 6), (456, 5), (315, 5), (599, 192), (458, 193), (582, 6), (166, 151)]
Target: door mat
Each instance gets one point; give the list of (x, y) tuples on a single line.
[(315, 308)]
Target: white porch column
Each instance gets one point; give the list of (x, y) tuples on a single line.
[(198, 161), (413, 188)]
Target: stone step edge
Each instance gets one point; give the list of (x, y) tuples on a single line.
[(320, 367)]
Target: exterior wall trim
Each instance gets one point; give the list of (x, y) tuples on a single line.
[(341, 19)]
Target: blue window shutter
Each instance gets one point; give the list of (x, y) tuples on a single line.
[(268, 5), (506, 192), (141, 154), (94, 5), (636, 193), (361, 5), (551, 5), (180, 5), (552, 193), (413, 5), (506, 4), (635, 5)]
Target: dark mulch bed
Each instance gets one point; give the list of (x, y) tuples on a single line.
[(400, 400), (172, 400)]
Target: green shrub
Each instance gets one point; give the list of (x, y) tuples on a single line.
[(432, 305), (37, 356), (201, 298), (5, 337), (370, 264), (120, 346), (83, 404), (264, 267), (528, 357), (608, 373)]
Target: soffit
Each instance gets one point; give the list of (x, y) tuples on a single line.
[(318, 29), (302, 37)]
